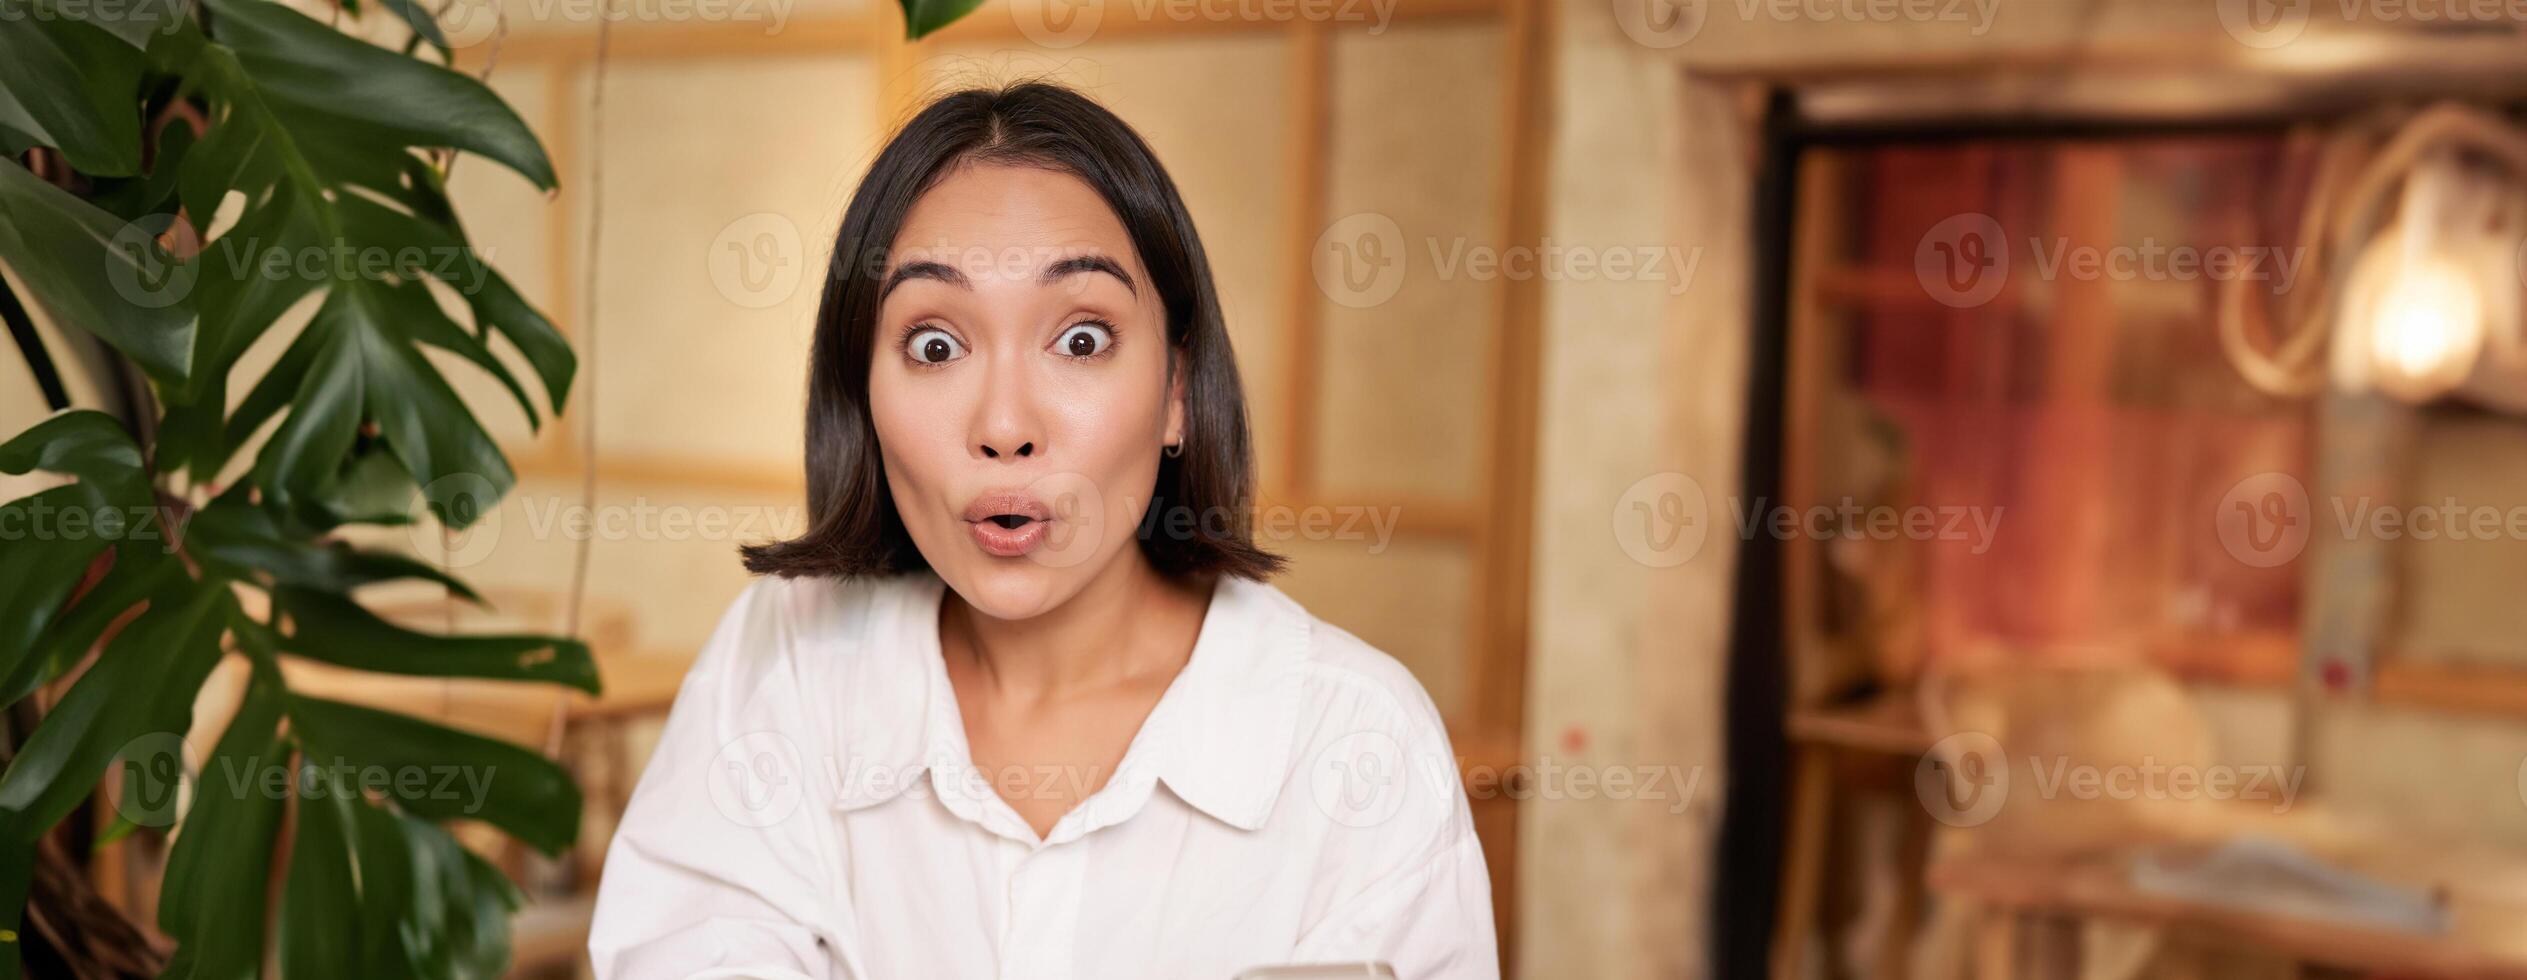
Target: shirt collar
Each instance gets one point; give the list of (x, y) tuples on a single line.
[(1220, 737)]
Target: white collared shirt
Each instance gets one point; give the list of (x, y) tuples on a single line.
[(813, 811)]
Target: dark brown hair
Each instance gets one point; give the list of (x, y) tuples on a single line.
[(1199, 519)]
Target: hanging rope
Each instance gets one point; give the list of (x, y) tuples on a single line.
[(593, 251), (2359, 170)]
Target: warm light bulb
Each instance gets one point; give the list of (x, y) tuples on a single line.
[(2426, 329)]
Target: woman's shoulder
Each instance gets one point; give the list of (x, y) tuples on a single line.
[(1349, 684), (777, 625)]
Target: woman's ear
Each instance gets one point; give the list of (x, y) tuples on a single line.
[(1175, 398)]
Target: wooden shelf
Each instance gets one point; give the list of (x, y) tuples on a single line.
[(1890, 723)]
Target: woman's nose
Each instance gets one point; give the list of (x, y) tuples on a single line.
[(1006, 423)]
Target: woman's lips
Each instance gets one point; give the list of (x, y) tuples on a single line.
[(1008, 542), (1007, 524)]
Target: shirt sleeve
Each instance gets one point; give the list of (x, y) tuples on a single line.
[(717, 867), (1428, 922), (1425, 906)]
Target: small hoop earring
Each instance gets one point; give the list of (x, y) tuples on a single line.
[(1173, 450)]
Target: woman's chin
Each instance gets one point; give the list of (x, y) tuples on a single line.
[(1010, 588)]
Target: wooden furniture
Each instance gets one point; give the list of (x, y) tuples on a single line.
[(2015, 891), (1830, 746)]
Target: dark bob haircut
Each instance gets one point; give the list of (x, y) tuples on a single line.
[(1200, 518)]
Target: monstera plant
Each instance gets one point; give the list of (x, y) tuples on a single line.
[(205, 170), (181, 175)]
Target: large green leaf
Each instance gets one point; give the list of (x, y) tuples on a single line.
[(211, 900), (143, 683), (140, 568), (39, 571), (91, 271), (469, 776), (495, 303), (336, 630), (247, 543), (89, 445), (365, 365), (57, 534), (387, 895), (337, 88), (410, 307), (72, 86), (323, 889)]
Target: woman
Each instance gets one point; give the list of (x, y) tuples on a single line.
[(1018, 703)]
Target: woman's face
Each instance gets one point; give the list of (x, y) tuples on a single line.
[(1020, 386)]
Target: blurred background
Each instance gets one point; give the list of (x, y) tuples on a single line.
[(1878, 488)]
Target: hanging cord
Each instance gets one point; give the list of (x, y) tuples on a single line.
[(2357, 173), (593, 250), (491, 60)]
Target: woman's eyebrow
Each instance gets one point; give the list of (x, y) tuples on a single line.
[(1058, 271), (1088, 263), (923, 270)]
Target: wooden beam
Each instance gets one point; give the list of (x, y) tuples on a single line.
[(1310, 170)]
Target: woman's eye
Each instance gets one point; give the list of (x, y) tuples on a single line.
[(934, 346), (1085, 340)]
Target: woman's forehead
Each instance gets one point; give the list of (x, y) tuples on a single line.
[(1003, 221)]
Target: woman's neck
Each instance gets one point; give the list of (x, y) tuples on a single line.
[(1127, 623)]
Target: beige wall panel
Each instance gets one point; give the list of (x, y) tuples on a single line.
[(725, 179), (2432, 775), (1216, 110), (512, 227), (1416, 141), (1407, 598), (2458, 596), (664, 554), (474, 26)]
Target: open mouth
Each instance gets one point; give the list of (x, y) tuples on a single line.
[(1007, 524)]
